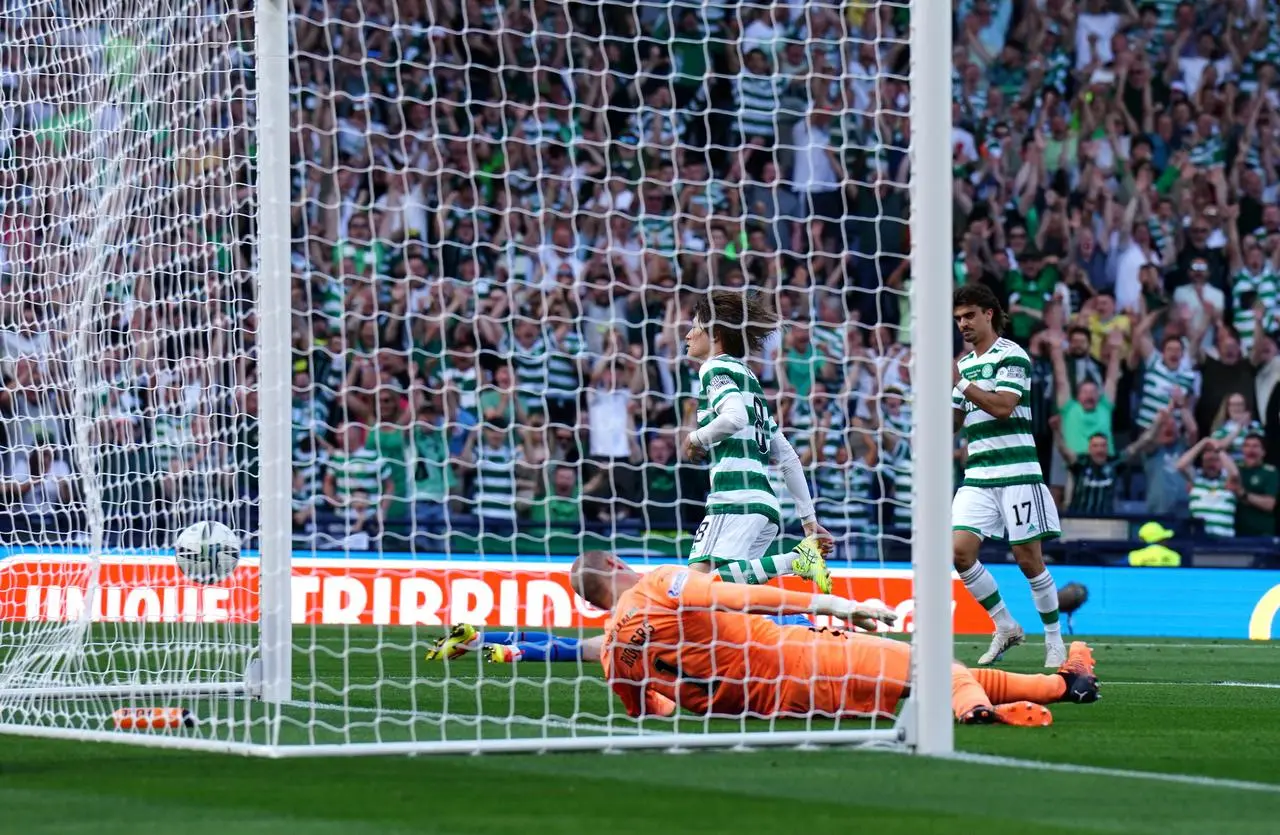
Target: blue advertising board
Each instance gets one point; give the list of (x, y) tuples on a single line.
[(1159, 602)]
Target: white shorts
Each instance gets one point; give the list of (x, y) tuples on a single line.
[(725, 538), (1019, 513)]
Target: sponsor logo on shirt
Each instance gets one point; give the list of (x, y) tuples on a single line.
[(718, 383), (677, 584)]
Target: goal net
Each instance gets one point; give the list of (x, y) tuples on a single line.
[(126, 295), (500, 219)]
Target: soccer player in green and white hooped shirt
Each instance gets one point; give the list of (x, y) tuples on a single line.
[(1003, 494), (734, 425)]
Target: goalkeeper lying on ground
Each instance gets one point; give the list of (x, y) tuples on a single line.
[(682, 639), (679, 639)]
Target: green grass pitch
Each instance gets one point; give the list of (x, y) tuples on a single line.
[(1166, 710)]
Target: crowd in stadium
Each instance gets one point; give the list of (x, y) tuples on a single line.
[(522, 360), (504, 214)]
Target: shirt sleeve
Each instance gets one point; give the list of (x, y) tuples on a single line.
[(717, 385), (793, 475), (656, 704), (1013, 373), (706, 592), (730, 417), (1270, 482)]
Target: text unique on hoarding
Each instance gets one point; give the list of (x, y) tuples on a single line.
[(386, 592)]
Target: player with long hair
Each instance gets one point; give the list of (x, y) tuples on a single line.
[(1003, 494), (742, 439)]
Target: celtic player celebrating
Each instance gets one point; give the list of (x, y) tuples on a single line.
[(1003, 494), (734, 426)]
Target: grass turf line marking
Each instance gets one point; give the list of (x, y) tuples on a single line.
[(1259, 685), (360, 646), (433, 716), (1257, 645), (1123, 773)]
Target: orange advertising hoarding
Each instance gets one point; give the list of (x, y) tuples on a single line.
[(389, 592)]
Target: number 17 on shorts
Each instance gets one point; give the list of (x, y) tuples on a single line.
[(1019, 513)]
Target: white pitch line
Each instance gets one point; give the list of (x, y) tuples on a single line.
[(431, 715), (1246, 684), (360, 646), (1124, 773), (358, 641), (1256, 645)]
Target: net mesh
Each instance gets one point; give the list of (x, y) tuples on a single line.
[(503, 217), (128, 345)]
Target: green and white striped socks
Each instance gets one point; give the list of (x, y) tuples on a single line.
[(983, 587), (1045, 593), (755, 572)]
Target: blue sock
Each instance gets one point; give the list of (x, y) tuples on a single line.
[(791, 620), (512, 638), (538, 646)]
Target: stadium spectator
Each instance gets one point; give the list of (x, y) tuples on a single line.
[(1213, 485), (357, 480), (609, 423), (1232, 424), (1166, 489), (1154, 554), (1088, 414), (559, 504), (492, 455), (38, 490), (1167, 380), (1258, 487), (475, 227), (1223, 377)]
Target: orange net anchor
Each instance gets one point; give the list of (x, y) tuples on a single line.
[(152, 718)]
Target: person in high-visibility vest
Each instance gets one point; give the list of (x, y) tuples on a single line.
[(1155, 555)]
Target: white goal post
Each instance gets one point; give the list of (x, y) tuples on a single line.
[(273, 264)]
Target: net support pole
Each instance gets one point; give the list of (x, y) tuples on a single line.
[(932, 731), (274, 350)]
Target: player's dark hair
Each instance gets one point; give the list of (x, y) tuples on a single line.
[(1075, 329), (1169, 338), (981, 297), (740, 322), (1102, 435)]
